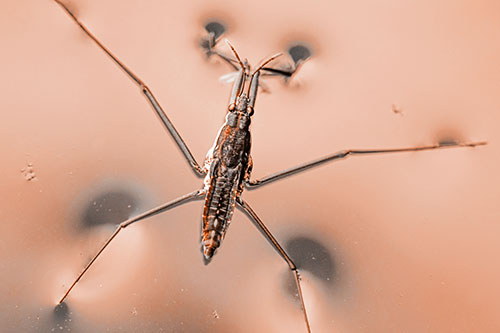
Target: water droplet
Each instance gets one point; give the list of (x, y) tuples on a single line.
[(396, 109), (215, 314), (28, 172)]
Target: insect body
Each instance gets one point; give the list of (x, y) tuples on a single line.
[(228, 165), (229, 168)]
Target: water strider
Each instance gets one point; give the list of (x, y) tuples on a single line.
[(228, 164)]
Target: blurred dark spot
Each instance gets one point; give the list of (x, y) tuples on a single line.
[(299, 52), (309, 255), (448, 142), (61, 318), (396, 109), (448, 136), (215, 27), (110, 207), (61, 311)]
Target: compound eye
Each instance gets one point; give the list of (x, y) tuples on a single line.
[(231, 107), (250, 110)]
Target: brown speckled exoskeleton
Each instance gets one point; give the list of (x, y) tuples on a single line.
[(228, 165)]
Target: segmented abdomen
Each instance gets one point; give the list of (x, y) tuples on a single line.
[(219, 207)]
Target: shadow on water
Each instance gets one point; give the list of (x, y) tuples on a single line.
[(110, 207), (58, 320), (299, 52), (310, 256), (62, 319), (215, 27)]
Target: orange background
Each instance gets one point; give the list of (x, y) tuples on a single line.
[(413, 237)]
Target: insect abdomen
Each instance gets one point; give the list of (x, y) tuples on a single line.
[(219, 207), (228, 167)]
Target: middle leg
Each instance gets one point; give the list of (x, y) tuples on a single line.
[(350, 152)]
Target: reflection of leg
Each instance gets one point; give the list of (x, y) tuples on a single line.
[(258, 222), (345, 153), (174, 203), (147, 92)]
